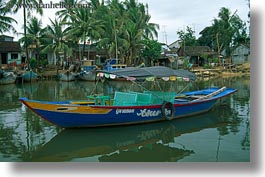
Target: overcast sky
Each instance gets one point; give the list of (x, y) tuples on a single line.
[(175, 15), (171, 15)]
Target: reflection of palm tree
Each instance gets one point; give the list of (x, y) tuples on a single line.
[(245, 142), (151, 153)]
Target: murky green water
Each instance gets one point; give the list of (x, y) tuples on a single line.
[(222, 135)]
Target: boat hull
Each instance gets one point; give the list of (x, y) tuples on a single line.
[(29, 76), (8, 78), (67, 77), (94, 116), (87, 76), (69, 115)]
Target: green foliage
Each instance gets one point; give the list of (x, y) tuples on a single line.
[(207, 66), (5, 21), (44, 62), (227, 30), (187, 37), (152, 50), (33, 63), (215, 60), (186, 62)]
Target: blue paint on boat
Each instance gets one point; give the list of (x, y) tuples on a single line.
[(68, 115), (29, 76)]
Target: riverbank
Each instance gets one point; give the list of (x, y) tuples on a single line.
[(228, 71), (51, 72)]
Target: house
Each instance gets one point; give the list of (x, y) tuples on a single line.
[(175, 45), (169, 55), (240, 54), (197, 55), (10, 51), (91, 52)]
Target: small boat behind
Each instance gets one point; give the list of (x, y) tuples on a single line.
[(67, 76), (88, 70), (7, 77), (113, 65), (30, 76)]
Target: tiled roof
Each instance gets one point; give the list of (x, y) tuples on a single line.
[(8, 46)]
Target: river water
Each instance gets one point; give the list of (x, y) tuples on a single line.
[(220, 135)]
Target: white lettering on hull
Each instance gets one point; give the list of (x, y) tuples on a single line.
[(148, 113), (124, 111)]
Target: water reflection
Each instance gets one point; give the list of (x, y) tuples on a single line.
[(8, 97), (26, 137), (149, 142)]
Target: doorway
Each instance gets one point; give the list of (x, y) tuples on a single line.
[(3, 58)]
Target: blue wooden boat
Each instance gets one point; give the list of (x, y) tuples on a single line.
[(129, 107), (29, 76), (88, 71), (113, 65)]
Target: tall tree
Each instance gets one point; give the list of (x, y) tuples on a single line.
[(187, 37), (112, 39), (35, 35), (56, 39), (5, 21), (227, 30), (28, 6), (137, 28), (84, 26), (66, 13), (152, 51)]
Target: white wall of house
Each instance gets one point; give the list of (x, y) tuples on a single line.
[(14, 57), (175, 44)]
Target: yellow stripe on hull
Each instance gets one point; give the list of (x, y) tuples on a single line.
[(67, 108)]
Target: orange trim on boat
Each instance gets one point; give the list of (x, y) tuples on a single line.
[(67, 108)]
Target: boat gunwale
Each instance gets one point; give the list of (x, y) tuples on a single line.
[(64, 103)]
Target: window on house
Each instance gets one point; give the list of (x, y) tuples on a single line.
[(14, 56)]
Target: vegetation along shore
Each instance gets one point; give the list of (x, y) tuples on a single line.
[(121, 31)]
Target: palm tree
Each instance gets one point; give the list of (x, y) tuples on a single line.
[(113, 35), (56, 40), (227, 30), (27, 5), (126, 26), (5, 22), (66, 13), (35, 35), (137, 28), (84, 26)]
